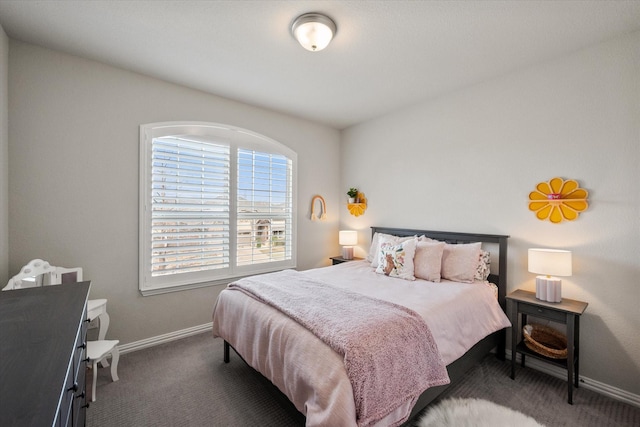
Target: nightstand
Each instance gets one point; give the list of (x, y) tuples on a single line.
[(568, 311), (339, 260)]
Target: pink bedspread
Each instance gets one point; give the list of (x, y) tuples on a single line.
[(389, 352)]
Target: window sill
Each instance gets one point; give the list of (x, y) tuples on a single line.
[(157, 291), (186, 287)]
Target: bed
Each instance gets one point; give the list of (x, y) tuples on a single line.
[(312, 373)]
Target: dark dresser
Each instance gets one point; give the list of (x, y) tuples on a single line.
[(42, 356)]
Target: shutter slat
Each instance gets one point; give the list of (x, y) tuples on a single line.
[(191, 259)]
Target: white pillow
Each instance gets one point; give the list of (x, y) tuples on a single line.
[(460, 262), (377, 240), (397, 260), (428, 260), (373, 249)]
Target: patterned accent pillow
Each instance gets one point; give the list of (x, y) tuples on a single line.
[(484, 264), (397, 260), (379, 239)]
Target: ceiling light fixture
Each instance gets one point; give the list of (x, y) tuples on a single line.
[(313, 31)]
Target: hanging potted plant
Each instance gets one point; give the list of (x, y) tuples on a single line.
[(352, 193)]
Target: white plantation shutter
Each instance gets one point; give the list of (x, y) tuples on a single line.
[(189, 206), (264, 207), (216, 202)]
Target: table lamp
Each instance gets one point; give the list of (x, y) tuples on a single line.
[(348, 239), (549, 262)]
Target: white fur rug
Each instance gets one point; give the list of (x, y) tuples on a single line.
[(474, 413)]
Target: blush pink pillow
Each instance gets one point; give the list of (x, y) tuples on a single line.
[(460, 262), (427, 261)]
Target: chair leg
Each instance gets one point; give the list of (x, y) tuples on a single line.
[(94, 368), (115, 356), (103, 326)]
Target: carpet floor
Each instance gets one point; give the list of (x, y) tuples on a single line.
[(186, 383)]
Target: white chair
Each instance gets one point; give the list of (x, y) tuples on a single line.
[(98, 351), (36, 273), (96, 308)]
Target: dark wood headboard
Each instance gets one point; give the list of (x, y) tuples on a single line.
[(499, 279)]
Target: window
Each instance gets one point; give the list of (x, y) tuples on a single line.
[(216, 203)]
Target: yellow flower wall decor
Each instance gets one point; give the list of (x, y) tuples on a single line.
[(357, 209), (558, 200)]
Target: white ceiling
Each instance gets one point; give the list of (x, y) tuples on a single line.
[(386, 54)]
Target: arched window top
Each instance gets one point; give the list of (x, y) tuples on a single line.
[(216, 203), (206, 130)]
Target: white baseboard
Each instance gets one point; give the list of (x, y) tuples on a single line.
[(165, 338), (588, 383), (554, 371)]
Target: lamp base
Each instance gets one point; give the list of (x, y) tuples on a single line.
[(548, 289), (347, 252)]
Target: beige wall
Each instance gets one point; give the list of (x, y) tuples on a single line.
[(4, 158), (467, 162), (463, 162), (74, 178)]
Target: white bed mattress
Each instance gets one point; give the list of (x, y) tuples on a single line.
[(311, 374)]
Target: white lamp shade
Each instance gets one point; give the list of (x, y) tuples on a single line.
[(551, 262), (348, 237), (313, 31)]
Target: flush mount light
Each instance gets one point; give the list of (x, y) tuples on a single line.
[(313, 31)]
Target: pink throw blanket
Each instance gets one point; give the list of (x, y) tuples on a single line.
[(389, 353)]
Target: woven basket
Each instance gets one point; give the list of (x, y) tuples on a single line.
[(545, 341)]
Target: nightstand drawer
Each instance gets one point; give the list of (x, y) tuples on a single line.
[(543, 312)]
